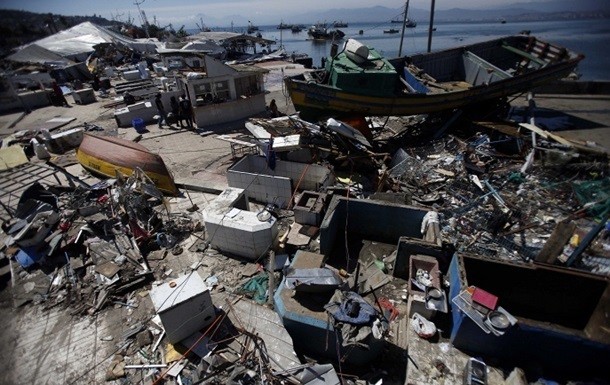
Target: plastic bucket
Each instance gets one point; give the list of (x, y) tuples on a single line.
[(138, 124)]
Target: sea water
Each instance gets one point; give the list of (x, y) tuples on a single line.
[(589, 37)]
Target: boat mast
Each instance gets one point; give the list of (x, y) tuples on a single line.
[(404, 21), (431, 27)]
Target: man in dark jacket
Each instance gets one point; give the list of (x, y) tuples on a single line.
[(185, 110), (160, 110)]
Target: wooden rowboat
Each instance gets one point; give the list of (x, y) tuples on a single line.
[(106, 155)]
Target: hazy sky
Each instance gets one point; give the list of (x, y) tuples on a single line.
[(260, 11)]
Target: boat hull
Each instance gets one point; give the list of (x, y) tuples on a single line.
[(313, 99), (105, 156)]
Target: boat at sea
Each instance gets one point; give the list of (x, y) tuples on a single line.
[(391, 30), (320, 31), (104, 155), (408, 22), (359, 81), (339, 24), (252, 28), (283, 25)]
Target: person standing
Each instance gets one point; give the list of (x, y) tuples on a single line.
[(59, 95), (176, 110), (160, 110), (273, 109), (128, 99), (185, 111)]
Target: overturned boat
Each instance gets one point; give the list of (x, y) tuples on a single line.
[(358, 80), (106, 155)]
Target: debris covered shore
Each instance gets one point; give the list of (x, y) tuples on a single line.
[(398, 250)]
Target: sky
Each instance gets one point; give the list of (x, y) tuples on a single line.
[(189, 11)]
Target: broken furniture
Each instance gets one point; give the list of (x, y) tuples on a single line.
[(84, 96), (142, 110), (184, 306), (60, 142)]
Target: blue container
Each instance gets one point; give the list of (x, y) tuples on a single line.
[(139, 125)]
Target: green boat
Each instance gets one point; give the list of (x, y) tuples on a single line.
[(359, 81)]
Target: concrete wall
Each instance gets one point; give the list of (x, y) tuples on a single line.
[(229, 111), (375, 221), (558, 351), (252, 174), (30, 100), (237, 231)]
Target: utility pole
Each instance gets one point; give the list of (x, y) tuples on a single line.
[(431, 28), (142, 16), (404, 21)]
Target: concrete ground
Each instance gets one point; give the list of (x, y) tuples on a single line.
[(51, 347), (588, 115)]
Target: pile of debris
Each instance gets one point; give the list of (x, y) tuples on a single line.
[(93, 242)]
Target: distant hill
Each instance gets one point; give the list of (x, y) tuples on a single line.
[(516, 12), (557, 6)]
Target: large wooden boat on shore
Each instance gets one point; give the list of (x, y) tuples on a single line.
[(359, 81), (106, 155)]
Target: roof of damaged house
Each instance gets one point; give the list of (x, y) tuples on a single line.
[(37, 54), (82, 39)]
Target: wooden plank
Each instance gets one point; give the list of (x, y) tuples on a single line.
[(598, 327), (524, 54), (546, 134), (554, 245)]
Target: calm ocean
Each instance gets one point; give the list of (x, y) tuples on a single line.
[(589, 37)]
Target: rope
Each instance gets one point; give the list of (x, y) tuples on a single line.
[(297, 186)]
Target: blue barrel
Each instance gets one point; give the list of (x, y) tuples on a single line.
[(138, 124)]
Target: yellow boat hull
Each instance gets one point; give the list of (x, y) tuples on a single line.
[(106, 156)]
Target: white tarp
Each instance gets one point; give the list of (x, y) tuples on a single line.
[(36, 54), (78, 41)]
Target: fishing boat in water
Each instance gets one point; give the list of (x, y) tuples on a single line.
[(408, 23), (321, 32), (296, 28), (391, 30), (105, 156), (359, 81)]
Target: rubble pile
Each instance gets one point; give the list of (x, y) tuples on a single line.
[(93, 243)]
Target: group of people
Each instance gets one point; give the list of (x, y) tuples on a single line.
[(180, 109)]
